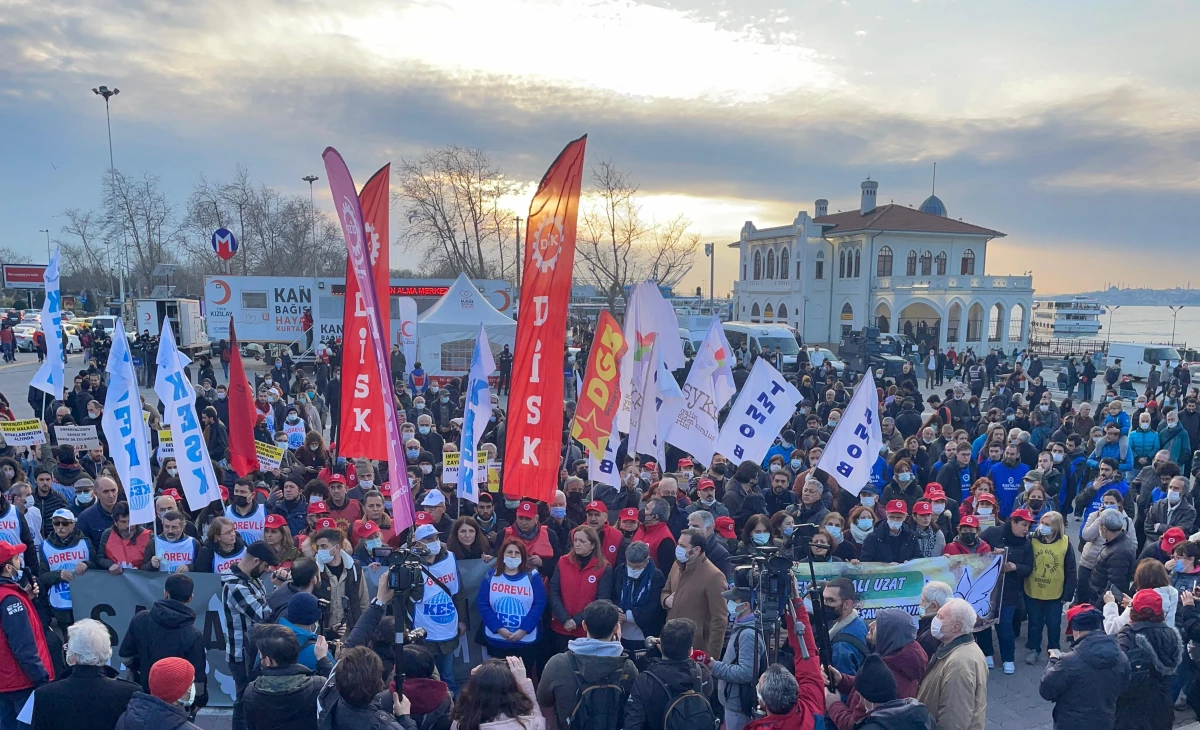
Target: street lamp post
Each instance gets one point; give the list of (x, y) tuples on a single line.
[(47, 232), (518, 218), (712, 258), (1174, 314), (1110, 314), (107, 93), (312, 210)]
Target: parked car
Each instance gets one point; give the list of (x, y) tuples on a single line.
[(24, 338), (818, 355)]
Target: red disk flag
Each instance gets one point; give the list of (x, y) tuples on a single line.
[(243, 456), (536, 402), (362, 432)]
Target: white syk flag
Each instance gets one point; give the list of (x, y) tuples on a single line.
[(50, 377), (855, 443), (765, 405), (126, 431), (652, 331), (476, 415), (708, 388), (179, 401)]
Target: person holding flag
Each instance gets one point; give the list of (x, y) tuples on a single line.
[(173, 387), (126, 431), (476, 415), (50, 377)]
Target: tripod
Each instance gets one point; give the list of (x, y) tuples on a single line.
[(407, 575)]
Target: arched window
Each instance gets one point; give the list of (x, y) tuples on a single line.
[(940, 260), (818, 266), (754, 312), (784, 259), (842, 265), (910, 268), (968, 263), (770, 263), (857, 262), (782, 312), (883, 263), (847, 312), (926, 264), (768, 312), (757, 265)]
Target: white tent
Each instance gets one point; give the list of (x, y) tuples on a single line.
[(446, 331)]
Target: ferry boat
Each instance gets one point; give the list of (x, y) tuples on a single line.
[(1071, 317)]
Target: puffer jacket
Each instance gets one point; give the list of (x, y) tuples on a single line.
[(1091, 536), (147, 712), (1084, 684), (284, 698), (899, 714), (1020, 553), (1114, 566), (1115, 619), (1145, 703), (648, 702), (896, 642)]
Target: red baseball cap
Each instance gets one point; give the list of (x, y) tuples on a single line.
[(649, 466), (922, 508), (326, 523), (597, 506), (898, 506), (1022, 514), (318, 508), (1171, 538), (9, 551), (365, 528), (527, 509), (424, 518), (686, 464), (969, 521), (629, 513), (172, 492), (1148, 599), (724, 527), (934, 492), (337, 478), (1074, 611), (986, 497), (385, 489), (706, 483), (275, 522)]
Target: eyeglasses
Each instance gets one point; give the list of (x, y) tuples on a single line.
[(62, 523)]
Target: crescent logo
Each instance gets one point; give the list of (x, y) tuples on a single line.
[(406, 328), (226, 292), (147, 317), (507, 300)]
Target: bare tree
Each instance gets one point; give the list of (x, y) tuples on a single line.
[(10, 256), (451, 201), (143, 221), (617, 247)]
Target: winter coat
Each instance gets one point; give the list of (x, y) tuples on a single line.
[(896, 642), (595, 659), (534, 721), (1020, 553), (87, 697), (337, 715), (1084, 684), (284, 698), (734, 671), (647, 704), (1091, 536), (881, 546), (955, 686), (1163, 515), (899, 714), (147, 712), (166, 629), (1177, 441), (1114, 566), (697, 587), (1146, 703), (1116, 619)]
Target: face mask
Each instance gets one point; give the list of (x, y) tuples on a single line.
[(904, 477), (1045, 530), (190, 698), (935, 628), (776, 467), (1057, 458), (270, 399), (408, 435), (419, 406), (512, 503), (1044, 408), (293, 418), (895, 525), (220, 395), (426, 469), (796, 463), (434, 547), (834, 531), (1174, 497), (1172, 424), (85, 498), (732, 607), (1110, 506), (761, 538), (864, 523), (833, 423), (985, 511), (279, 363), (241, 501), (1108, 399), (868, 501), (788, 531), (512, 563), (413, 453), (314, 498), (446, 399), (558, 512), (634, 572), (267, 381), (718, 470), (1035, 504), (646, 476), (708, 502), (93, 415), (1010, 417), (681, 553), (927, 440), (423, 429), (374, 542), (970, 539), (324, 557)]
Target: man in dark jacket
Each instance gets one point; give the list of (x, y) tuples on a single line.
[(89, 695), (1084, 684), (742, 495), (876, 687), (892, 540), (676, 671), (1114, 566), (908, 422), (285, 696), (599, 657), (166, 706), (957, 476), (1012, 535), (304, 579), (166, 629)]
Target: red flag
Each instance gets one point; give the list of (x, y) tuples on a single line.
[(601, 388), (534, 423), (362, 432), (243, 456)]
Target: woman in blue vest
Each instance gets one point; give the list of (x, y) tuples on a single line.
[(512, 599)]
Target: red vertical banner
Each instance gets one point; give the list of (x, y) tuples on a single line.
[(362, 431), (243, 455), (536, 401)]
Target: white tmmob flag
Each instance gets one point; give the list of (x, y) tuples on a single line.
[(476, 415), (766, 403), (708, 388), (855, 443), (126, 431), (179, 402), (602, 468)]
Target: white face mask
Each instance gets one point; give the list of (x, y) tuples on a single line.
[(732, 607), (938, 508), (895, 525), (512, 563), (985, 511), (1174, 497), (635, 573), (435, 548), (904, 477), (1057, 458), (868, 501), (172, 472), (324, 557), (190, 698), (935, 628), (681, 553), (1045, 530)]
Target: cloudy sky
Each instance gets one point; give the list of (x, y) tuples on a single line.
[(1074, 127)]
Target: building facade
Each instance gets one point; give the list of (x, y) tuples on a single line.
[(905, 270)]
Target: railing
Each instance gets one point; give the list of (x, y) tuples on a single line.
[(943, 283)]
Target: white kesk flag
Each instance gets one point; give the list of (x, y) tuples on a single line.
[(708, 388), (602, 468), (855, 443), (50, 377), (476, 414), (179, 402), (126, 431), (765, 405)]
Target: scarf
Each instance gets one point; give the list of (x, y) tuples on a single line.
[(926, 540), (859, 535), (634, 590)]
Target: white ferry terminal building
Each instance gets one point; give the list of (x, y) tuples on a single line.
[(905, 270)]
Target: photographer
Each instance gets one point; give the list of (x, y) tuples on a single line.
[(655, 689), (735, 670), (793, 703)]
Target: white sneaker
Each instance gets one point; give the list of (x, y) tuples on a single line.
[(1010, 668), (990, 662)]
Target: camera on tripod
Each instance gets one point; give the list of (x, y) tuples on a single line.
[(404, 568)]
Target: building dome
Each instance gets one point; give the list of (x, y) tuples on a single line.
[(933, 205)]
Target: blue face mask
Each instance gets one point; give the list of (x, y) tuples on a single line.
[(423, 429), (375, 542), (761, 538), (834, 531), (413, 453), (1178, 566), (558, 512)]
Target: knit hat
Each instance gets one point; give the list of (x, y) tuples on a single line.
[(874, 681), (1147, 606), (303, 610), (170, 679), (1084, 617)]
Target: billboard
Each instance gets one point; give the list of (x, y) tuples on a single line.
[(270, 308), (22, 276)]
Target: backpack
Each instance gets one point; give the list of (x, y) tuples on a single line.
[(747, 697), (599, 705), (855, 643), (688, 710), (1143, 673)]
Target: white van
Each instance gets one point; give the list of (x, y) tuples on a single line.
[(767, 336), (1136, 359)]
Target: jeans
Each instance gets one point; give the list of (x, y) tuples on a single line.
[(445, 668), (1004, 630), (1046, 614), (240, 682), (10, 706), (1087, 389), (225, 369), (735, 720)]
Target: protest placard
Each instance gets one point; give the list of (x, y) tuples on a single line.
[(26, 432), (166, 447), (269, 456), (81, 437)]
